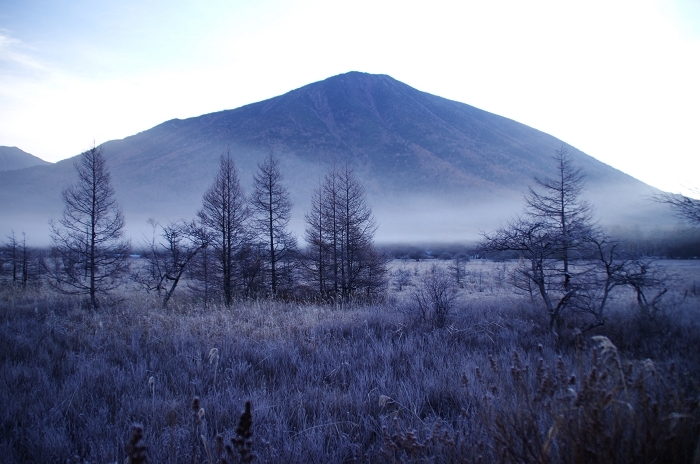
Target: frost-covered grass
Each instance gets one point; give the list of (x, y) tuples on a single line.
[(351, 384)]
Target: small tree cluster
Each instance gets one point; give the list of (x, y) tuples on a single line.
[(238, 247), (341, 260), (19, 264), (252, 254)]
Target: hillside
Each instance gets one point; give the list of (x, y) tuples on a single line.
[(12, 158), (434, 169)]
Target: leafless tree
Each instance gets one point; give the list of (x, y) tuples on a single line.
[(88, 247), (556, 203), (458, 268), (608, 268), (12, 250), (685, 207), (556, 229), (649, 283), (271, 209), (341, 258), (223, 215), (357, 234), (317, 252), (169, 255), (537, 245), (564, 257)]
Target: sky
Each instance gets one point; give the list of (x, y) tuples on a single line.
[(619, 80)]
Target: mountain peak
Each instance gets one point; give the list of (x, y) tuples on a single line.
[(434, 169)]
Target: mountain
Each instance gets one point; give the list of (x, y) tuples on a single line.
[(12, 158), (434, 169)]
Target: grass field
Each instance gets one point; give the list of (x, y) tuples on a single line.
[(359, 383)]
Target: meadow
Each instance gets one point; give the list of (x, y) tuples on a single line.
[(368, 382)]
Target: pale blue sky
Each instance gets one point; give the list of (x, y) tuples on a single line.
[(616, 79)]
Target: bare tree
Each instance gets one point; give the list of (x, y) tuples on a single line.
[(358, 229), (223, 215), (168, 257), (564, 258), (609, 268), (341, 258), (557, 229), (271, 209), (12, 248), (685, 207), (458, 268), (317, 252), (648, 282), (88, 247), (556, 203), (332, 230), (537, 246)]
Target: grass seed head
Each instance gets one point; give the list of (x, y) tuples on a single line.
[(213, 355), (604, 346)]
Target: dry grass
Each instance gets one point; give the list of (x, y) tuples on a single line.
[(357, 384)]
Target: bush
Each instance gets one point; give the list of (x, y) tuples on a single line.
[(434, 296)]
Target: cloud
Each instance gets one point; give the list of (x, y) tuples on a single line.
[(13, 51)]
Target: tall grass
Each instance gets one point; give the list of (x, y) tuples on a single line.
[(358, 384)]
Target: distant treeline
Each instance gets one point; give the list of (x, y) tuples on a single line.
[(678, 243), (20, 262)]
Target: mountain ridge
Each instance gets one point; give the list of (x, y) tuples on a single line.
[(433, 168)]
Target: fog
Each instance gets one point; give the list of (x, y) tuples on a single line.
[(412, 220)]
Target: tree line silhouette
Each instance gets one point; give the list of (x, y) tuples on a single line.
[(237, 247)]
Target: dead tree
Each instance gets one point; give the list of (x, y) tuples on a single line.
[(341, 258), (169, 255), (223, 215), (537, 244), (556, 230), (271, 209), (556, 203), (87, 242)]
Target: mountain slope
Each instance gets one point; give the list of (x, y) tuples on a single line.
[(434, 169), (12, 158)]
